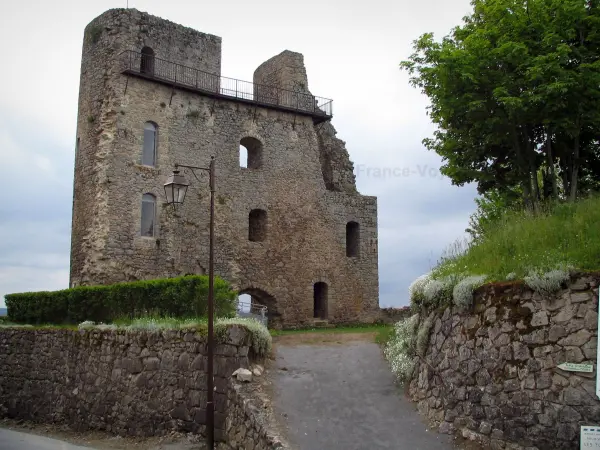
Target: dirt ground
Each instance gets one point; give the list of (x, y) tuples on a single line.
[(316, 338)]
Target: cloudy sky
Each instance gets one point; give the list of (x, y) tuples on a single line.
[(352, 55)]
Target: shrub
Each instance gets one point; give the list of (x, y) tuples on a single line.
[(88, 324), (400, 349), (260, 343), (177, 297), (439, 291), (548, 282), (462, 295), (416, 291), (433, 291)]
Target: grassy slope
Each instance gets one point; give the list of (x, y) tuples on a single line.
[(567, 234)]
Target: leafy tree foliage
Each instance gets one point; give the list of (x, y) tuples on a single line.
[(491, 207), (514, 92)]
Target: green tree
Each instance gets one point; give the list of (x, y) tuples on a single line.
[(491, 207), (514, 93)]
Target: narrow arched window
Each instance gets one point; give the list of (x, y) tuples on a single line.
[(243, 157), (149, 147), (148, 215), (352, 239), (257, 225), (251, 153), (147, 63)]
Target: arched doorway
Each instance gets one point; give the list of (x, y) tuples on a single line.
[(254, 296), (147, 61), (320, 300)]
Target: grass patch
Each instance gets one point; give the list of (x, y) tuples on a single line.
[(563, 234), (383, 331), (540, 248), (385, 335)]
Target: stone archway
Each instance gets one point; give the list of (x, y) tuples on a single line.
[(260, 297)]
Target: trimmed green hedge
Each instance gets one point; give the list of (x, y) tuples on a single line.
[(176, 297)]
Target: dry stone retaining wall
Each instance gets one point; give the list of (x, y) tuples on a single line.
[(249, 423), (492, 373), (128, 383)]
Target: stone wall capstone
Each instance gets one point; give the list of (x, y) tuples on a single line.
[(492, 373), (139, 383)]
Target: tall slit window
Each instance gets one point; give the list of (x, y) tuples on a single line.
[(352, 239), (148, 215), (147, 62), (149, 147)]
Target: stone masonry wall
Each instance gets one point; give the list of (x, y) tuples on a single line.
[(250, 424), (306, 221), (492, 373), (285, 71), (127, 383), (392, 315), (104, 40)]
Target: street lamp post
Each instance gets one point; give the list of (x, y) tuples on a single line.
[(175, 191)]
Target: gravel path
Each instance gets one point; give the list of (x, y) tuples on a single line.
[(334, 396)]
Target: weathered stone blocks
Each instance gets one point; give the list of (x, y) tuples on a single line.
[(505, 390), (305, 182), (129, 383)]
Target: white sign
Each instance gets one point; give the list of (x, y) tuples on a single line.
[(590, 438), (572, 367)]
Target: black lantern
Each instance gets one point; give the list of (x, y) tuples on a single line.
[(176, 188)]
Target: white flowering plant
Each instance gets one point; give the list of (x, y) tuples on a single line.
[(88, 324), (400, 349), (548, 282), (416, 290), (462, 294), (260, 344)]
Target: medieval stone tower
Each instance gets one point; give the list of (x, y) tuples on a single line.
[(291, 229)]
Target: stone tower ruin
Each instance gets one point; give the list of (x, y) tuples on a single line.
[(291, 229)]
